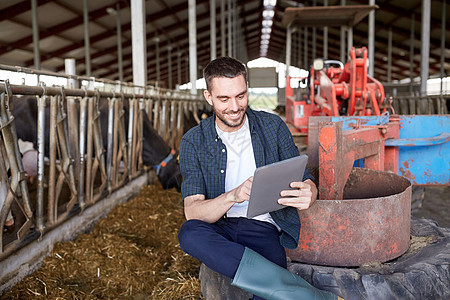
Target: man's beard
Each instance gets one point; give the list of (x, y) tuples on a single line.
[(237, 124)]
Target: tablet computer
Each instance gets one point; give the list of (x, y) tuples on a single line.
[(270, 180)]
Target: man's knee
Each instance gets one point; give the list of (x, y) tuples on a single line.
[(187, 233)]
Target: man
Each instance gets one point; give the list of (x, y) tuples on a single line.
[(217, 159)]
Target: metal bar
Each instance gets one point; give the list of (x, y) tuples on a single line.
[(52, 209), (169, 62), (17, 185), (99, 162), (389, 55), (343, 50), (239, 37), (415, 142), (140, 136), (178, 68), (72, 114), (109, 148), (11, 153), (123, 148), (158, 65), (156, 120), (66, 170), (119, 42), (5, 205), (411, 55), (115, 144), (131, 138), (444, 12), (425, 46), (53, 91), (162, 115), (149, 109), (180, 124), (173, 123), (168, 122), (87, 46), (234, 28), (188, 74), (229, 33), (50, 73), (72, 129), (349, 38), (212, 28), (299, 46), (222, 27), (41, 166), (82, 151), (330, 158), (288, 50), (314, 37), (89, 150), (371, 41), (192, 46), (305, 49), (35, 24), (139, 42), (23, 184), (166, 127), (325, 35), (70, 69)]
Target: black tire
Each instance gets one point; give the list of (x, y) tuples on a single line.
[(423, 272)]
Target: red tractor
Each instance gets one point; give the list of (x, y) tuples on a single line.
[(336, 90)]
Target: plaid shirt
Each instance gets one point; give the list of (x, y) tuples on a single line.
[(203, 160)]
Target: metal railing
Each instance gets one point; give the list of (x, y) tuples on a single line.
[(421, 105), (79, 170)]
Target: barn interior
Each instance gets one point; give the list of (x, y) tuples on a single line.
[(113, 74), (61, 29)]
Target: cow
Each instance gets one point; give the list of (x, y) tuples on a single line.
[(29, 162), (155, 153)]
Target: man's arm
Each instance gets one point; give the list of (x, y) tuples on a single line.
[(211, 210), (305, 192), (302, 197)]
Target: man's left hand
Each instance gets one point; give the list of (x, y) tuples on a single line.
[(302, 196)]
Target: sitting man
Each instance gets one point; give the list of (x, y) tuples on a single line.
[(217, 160)]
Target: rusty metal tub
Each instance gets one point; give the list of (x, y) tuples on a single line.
[(371, 224)]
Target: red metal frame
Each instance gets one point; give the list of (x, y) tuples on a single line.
[(339, 149), (349, 91)]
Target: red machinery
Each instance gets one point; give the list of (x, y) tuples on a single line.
[(336, 91)]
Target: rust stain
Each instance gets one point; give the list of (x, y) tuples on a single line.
[(409, 175), (406, 164)]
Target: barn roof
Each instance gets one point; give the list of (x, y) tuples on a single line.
[(61, 33)]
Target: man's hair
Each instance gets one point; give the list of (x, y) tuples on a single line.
[(223, 67)]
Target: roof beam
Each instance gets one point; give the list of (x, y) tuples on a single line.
[(55, 29), (19, 8)]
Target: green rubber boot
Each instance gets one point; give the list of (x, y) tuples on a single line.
[(268, 280)]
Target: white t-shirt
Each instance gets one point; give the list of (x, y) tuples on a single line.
[(240, 166)]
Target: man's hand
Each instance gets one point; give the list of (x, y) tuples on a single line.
[(301, 197), (211, 210), (242, 192)]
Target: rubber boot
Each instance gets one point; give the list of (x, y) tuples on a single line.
[(268, 280)]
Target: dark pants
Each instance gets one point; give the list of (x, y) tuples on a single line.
[(220, 245)]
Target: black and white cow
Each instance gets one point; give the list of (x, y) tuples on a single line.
[(155, 150)]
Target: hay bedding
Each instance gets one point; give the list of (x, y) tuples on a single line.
[(133, 254)]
